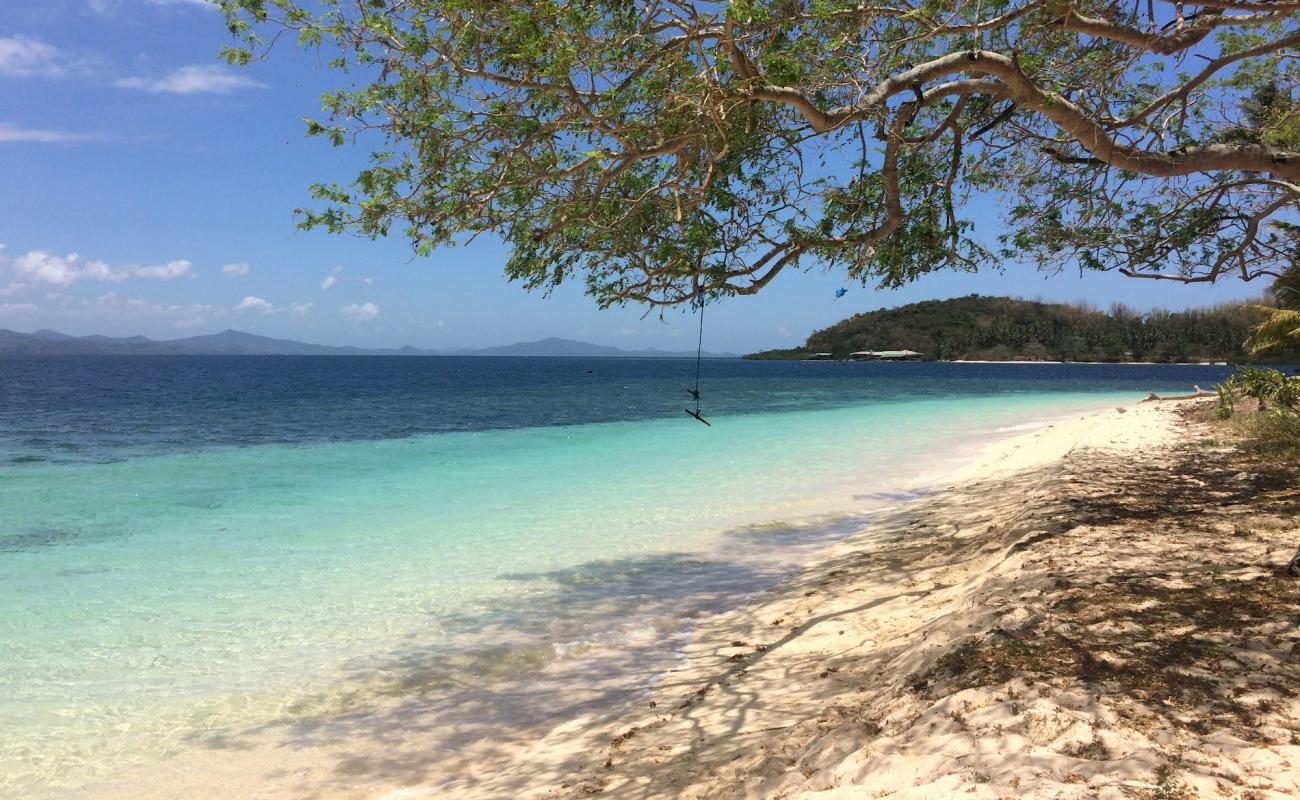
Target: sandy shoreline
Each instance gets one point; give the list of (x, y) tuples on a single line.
[(1088, 609), (993, 639)]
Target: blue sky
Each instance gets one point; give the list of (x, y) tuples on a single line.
[(150, 190)]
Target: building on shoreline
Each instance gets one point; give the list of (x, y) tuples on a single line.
[(887, 355)]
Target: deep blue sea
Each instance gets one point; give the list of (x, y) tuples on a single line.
[(199, 553)]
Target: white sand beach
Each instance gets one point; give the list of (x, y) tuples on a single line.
[(1093, 610)]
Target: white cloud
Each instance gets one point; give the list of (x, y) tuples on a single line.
[(235, 270), (37, 267), (17, 308), (172, 269), (364, 312), (193, 79), (107, 6), (17, 133), (367, 281), (624, 332), (258, 305), (255, 304), (26, 57), (330, 279)]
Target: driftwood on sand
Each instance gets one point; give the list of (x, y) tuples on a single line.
[(1197, 392)]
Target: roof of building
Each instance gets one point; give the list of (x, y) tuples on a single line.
[(887, 353)]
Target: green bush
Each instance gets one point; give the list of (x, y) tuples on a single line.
[(1227, 397), (1272, 431), (1288, 394), (1264, 385), (1275, 432)]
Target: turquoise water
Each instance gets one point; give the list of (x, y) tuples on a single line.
[(155, 603)]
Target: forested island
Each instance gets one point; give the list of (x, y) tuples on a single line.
[(978, 327)]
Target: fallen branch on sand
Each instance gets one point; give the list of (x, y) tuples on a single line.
[(1199, 392)]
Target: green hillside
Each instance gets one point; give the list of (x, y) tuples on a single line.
[(1004, 328)]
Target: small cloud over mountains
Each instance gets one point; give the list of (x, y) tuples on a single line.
[(255, 305), (363, 312), (259, 305), (235, 270)]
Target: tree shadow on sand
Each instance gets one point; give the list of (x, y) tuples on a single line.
[(1182, 628), (1166, 627), (592, 640), (461, 720)]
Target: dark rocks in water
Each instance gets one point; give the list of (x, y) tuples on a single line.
[(34, 539)]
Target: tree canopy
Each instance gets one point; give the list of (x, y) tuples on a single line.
[(667, 150)]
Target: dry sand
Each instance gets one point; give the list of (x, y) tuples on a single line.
[(1095, 609)]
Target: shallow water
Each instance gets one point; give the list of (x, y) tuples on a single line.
[(191, 548)]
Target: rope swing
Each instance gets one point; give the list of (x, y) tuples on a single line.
[(698, 302)]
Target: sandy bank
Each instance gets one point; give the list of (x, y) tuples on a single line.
[(1093, 610)]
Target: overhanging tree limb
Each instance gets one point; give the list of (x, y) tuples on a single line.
[(663, 149)]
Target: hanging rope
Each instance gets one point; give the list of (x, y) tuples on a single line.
[(698, 302), (699, 352)]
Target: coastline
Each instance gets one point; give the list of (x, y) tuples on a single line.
[(945, 648), (1142, 363), (430, 711), (837, 675)]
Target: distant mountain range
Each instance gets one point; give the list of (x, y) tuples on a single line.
[(238, 343)]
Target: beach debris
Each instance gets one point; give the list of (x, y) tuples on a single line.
[(1197, 392), (619, 740)]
